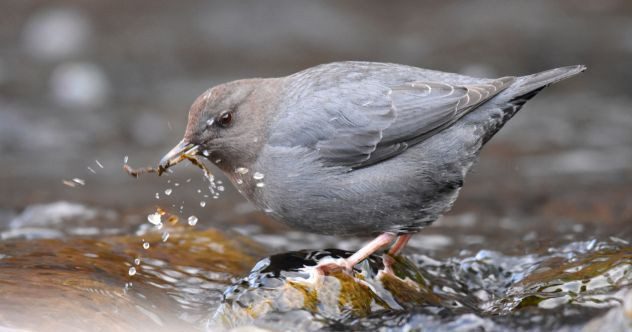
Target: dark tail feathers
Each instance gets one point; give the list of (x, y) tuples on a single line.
[(525, 88)]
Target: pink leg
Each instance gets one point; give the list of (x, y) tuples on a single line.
[(399, 244), (360, 255), (395, 250)]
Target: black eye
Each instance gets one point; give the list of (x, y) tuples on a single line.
[(225, 119)]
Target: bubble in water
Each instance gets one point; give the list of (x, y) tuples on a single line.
[(193, 220), (239, 181), (209, 122), (137, 261), (154, 218), (168, 191), (145, 245), (188, 180), (91, 170), (125, 159), (199, 191), (132, 271), (79, 181), (260, 184), (268, 210), (176, 184), (202, 203), (99, 163), (206, 153), (258, 176), (220, 188), (165, 236), (241, 170), (217, 161)]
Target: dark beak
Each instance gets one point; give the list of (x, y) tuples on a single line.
[(177, 154)]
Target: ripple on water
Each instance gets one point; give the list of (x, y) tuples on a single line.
[(487, 290)]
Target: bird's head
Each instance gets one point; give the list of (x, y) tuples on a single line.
[(226, 124)]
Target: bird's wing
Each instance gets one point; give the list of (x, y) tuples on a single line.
[(367, 123)]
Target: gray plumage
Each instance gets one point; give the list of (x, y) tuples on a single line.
[(357, 147)]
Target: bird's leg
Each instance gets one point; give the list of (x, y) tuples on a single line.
[(399, 244), (347, 264), (395, 250)]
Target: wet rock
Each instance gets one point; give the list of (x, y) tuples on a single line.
[(288, 283), (79, 85), (490, 291), (85, 284)]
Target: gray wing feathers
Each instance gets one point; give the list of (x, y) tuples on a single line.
[(402, 116)]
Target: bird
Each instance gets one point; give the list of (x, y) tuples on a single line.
[(354, 148)]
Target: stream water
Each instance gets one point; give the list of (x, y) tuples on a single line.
[(68, 266)]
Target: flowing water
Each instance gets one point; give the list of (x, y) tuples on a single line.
[(66, 266)]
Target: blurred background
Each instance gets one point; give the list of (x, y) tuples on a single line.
[(82, 81)]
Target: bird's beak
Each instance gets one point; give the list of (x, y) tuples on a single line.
[(177, 154)]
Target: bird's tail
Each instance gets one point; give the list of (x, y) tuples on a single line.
[(526, 87), (536, 82)]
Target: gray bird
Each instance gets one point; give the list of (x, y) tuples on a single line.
[(354, 148)]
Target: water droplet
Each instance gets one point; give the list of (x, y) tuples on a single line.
[(220, 188), (193, 220), (154, 218), (132, 271), (125, 159), (199, 191), (79, 181), (219, 182), (202, 203), (206, 153), (258, 176), (69, 183), (188, 180), (217, 161), (168, 191), (137, 261), (209, 122), (91, 170), (99, 163), (157, 196), (176, 184), (268, 210), (239, 181), (145, 245), (261, 184), (256, 139), (165, 236), (241, 170)]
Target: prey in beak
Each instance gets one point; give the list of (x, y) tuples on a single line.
[(184, 150)]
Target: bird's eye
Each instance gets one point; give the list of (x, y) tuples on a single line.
[(225, 119)]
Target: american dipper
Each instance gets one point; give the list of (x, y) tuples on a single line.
[(354, 148)]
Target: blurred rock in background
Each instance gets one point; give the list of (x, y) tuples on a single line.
[(86, 80)]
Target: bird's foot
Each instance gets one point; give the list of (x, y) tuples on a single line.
[(329, 266), (388, 262)]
